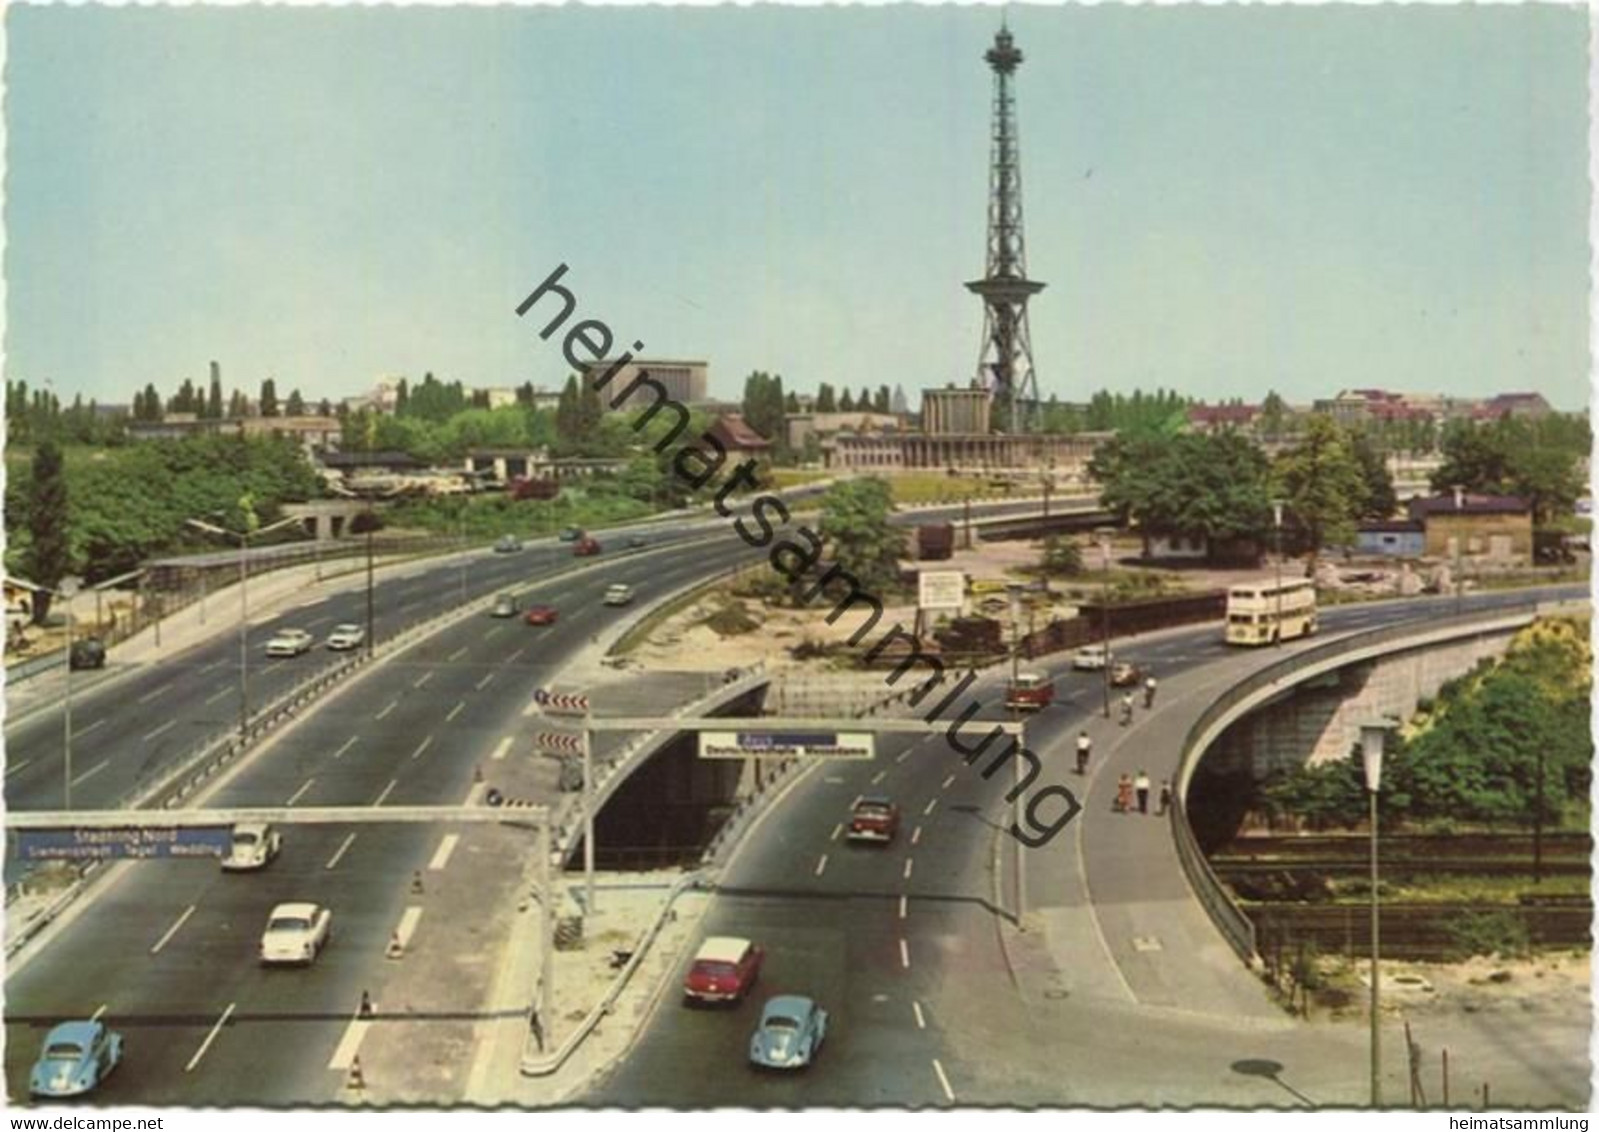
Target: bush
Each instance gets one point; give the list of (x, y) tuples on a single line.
[(1499, 931)]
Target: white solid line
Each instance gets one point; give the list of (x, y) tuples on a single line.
[(515, 655), (95, 769), (909, 861), (215, 696), (95, 1017), (408, 921), (333, 861), (502, 749), (345, 1053), (154, 692), (879, 776), (822, 864), (947, 782), (930, 806), (209, 1038), (173, 930), (904, 953), (300, 793), (916, 835), (348, 743), (837, 829), (392, 784), (921, 1019), (944, 1081), (422, 679), (392, 705), (904, 902), (442, 856), (158, 730), (458, 653), (483, 683), (422, 746), (455, 711), (97, 723)]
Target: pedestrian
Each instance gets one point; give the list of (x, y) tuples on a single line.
[(1084, 746), (1141, 784), (1127, 708), (1149, 691), (1124, 793), (536, 1025), (1165, 795)]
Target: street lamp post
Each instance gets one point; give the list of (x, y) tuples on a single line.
[(1104, 616), (1460, 579), (1372, 735), (1277, 525), (68, 589)]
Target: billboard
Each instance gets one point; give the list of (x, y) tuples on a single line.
[(123, 844), (940, 589), (786, 745)]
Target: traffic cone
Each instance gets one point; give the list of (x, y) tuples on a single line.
[(356, 1081), (396, 949), (416, 882)]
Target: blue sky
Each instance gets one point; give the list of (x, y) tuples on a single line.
[(1223, 200)]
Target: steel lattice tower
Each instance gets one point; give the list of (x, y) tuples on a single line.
[(1005, 363)]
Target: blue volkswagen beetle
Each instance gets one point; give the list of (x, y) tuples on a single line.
[(76, 1057), (790, 1034)]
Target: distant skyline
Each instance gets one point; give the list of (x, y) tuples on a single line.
[(1222, 200)]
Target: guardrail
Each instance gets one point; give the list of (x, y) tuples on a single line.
[(1235, 926)]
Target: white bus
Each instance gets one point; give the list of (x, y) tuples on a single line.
[(1267, 612)]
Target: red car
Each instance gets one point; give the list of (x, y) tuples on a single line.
[(542, 615), (585, 546), (874, 819), (724, 970)]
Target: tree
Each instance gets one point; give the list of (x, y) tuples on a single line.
[(213, 405), (1062, 557), (1381, 500), (49, 550), (855, 525), (791, 402), (295, 406), (825, 399), (1206, 485), (238, 407), (762, 405), (1273, 413), (1535, 462), (325, 408), (269, 398), (882, 400), (1323, 484), (846, 403)]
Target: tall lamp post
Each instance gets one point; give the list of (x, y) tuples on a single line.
[(1372, 735), (1104, 614), (1460, 580), (67, 589), (1016, 763), (1277, 526)]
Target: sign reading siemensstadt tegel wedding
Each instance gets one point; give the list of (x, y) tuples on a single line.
[(119, 844), (786, 744)]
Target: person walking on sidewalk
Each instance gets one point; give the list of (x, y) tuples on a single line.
[(1165, 796), (1149, 691), (1124, 794), (1141, 784), (1085, 745)]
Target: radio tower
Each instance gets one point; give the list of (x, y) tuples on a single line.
[(1005, 363)]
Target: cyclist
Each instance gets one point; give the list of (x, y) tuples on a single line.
[(1084, 746), (1149, 691)]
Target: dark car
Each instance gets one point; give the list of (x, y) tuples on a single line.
[(874, 819), (571, 534), (585, 546), (634, 542), (88, 652), (1126, 674)]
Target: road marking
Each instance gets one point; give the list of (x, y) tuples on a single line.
[(944, 1081), (422, 679), (173, 930), (300, 793), (916, 835), (473, 796), (392, 705), (879, 776), (502, 749), (921, 1019), (531, 709), (333, 861), (904, 953), (442, 856), (857, 801), (837, 829), (408, 921), (209, 1038), (209, 667), (947, 782), (821, 865), (904, 902), (16, 767), (930, 806), (422, 746), (483, 683), (909, 861), (97, 723), (492, 633), (392, 784), (95, 1017), (168, 724), (92, 771), (345, 1053), (516, 655), (457, 654), (903, 755), (455, 711), (215, 696), (150, 695), (348, 743)]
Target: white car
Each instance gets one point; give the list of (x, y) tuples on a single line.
[(289, 642), (254, 846), (346, 636), (296, 933), (1091, 658), (619, 595)]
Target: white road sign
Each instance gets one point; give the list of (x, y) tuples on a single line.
[(786, 744), (940, 589)]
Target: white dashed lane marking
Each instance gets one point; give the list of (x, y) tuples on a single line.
[(821, 865), (422, 747), (930, 806), (348, 743), (879, 776), (392, 705), (422, 679), (82, 731), (168, 725), (904, 954), (948, 782), (484, 683), (96, 769), (172, 931), (457, 654), (921, 1020), (502, 750), (442, 856), (916, 835), (333, 861), (393, 782), (154, 692), (215, 696), (455, 711), (943, 1081), (904, 905), (300, 793), (909, 861), (209, 1038), (837, 829)]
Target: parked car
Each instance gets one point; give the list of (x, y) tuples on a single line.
[(346, 636), (75, 1057), (1030, 691), (87, 652), (790, 1035), (296, 933), (724, 970), (542, 615), (1090, 658), (874, 819), (507, 544), (619, 594), (585, 546), (571, 534), (1126, 674), (289, 642), (504, 606), (255, 846), (634, 542)]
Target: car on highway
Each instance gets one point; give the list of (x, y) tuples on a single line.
[(75, 1057), (790, 1034), (296, 933), (542, 615), (1126, 674), (87, 652), (585, 546), (724, 970), (289, 642), (255, 845), (618, 594), (1030, 691), (1090, 658), (346, 636), (504, 606), (634, 542), (507, 544), (874, 818), (571, 534)]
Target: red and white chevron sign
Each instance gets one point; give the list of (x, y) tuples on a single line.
[(561, 703), (559, 741)]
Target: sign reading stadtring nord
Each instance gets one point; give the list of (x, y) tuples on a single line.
[(940, 589), (786, 744), (123, 844)]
